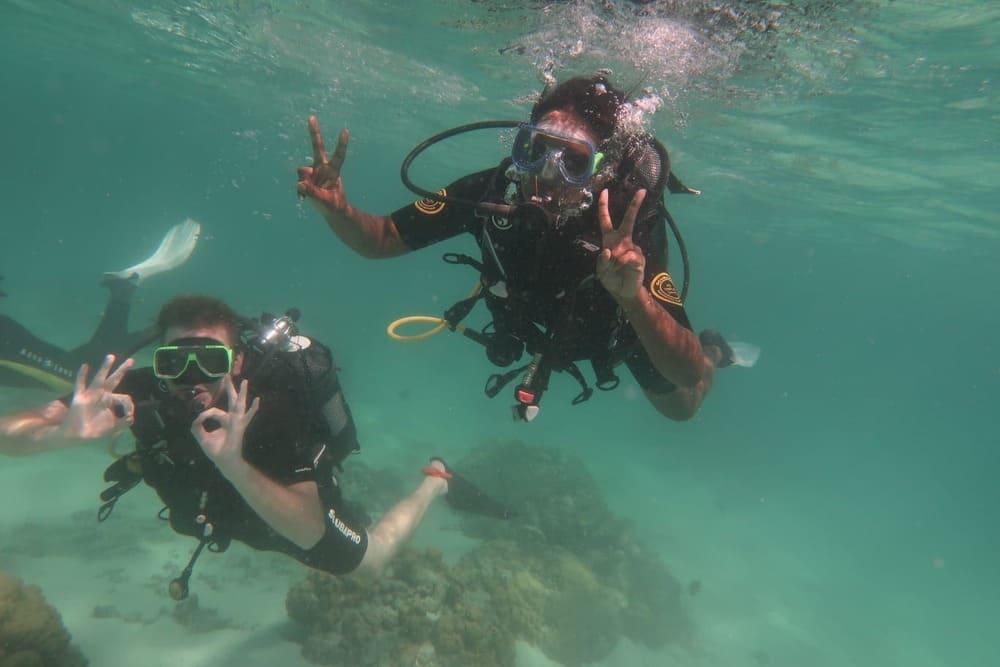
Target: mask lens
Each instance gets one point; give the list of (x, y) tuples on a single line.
[(576, 164), (539, 149), (528, 152), (214, 360), (169, 362)]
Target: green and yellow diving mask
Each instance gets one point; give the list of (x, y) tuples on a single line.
[(211, 357)]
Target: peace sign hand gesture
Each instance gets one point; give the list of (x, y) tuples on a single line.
[(224, 444), (621, 264), (321, 182)]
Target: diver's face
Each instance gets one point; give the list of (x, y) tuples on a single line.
[(196, 389), (548, 184)]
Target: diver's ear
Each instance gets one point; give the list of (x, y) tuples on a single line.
[(238, 358)]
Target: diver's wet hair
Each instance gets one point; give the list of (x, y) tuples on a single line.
[(593, 98), (196, 310)]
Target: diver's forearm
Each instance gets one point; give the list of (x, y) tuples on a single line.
[(674, 350), (682, 403), (33, 432), (371, 236), (27, 443), (292, 511)]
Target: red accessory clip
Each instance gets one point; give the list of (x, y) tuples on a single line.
[(525, 396), (434, 471)]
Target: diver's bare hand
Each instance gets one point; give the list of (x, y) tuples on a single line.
[(621, 264), (321, 182), (95, 410), (224, 444)]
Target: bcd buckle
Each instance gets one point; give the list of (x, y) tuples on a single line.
[(529, 392)]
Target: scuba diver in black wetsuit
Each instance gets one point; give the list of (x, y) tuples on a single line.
[(27, 361), (239, 428), (572, 229)]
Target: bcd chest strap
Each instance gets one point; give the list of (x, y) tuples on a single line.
[(507, 341), (126, 473)]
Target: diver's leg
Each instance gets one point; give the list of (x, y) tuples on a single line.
[(112, 335), (113, 326), (28, 361), (397, 526)]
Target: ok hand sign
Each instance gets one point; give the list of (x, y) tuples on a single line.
[(224, 443), (96, 410)]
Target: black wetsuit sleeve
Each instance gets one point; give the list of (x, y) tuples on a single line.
[(427, 221), (657, 279), (660, 284), (345, 539)]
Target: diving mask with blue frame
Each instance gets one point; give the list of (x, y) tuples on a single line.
[(576, 159)]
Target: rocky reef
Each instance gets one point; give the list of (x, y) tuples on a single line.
[(31, 632), (566, 575)]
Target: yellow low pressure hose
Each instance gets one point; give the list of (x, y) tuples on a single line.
[(440, 324)]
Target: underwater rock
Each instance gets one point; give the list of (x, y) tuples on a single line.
[(31, 632), (565, 575)]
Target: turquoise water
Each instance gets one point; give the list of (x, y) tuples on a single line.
[(838, 501)]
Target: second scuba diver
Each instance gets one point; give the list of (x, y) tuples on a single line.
[(573, 239), (223, 471)]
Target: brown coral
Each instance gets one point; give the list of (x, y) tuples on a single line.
[(416, 613), (567, 576), (31, 632), (560, 507)]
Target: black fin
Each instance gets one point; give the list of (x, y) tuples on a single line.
[(713, 337), (465, 496), (675, 186)]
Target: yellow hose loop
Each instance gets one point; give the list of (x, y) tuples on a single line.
[(441, 325)]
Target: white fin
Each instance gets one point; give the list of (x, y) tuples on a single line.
[(174, 250), (744, 354)]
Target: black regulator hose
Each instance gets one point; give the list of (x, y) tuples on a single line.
[(404, 170), (682, 247)]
